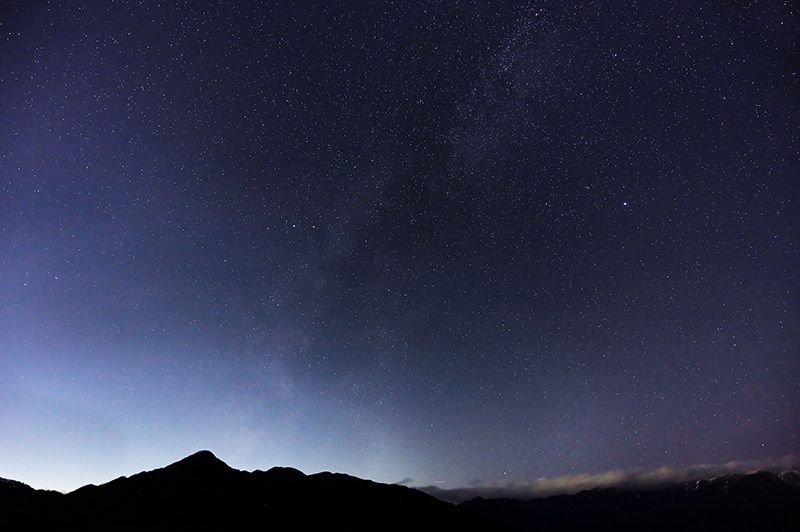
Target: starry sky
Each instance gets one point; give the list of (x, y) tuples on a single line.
[(450, 242)]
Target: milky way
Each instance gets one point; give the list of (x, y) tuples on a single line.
[(444, 242)]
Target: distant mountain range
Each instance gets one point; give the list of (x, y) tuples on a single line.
[(752, 502), (201, 492)]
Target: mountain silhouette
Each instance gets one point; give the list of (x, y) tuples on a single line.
[(201, 492), (742, 502)]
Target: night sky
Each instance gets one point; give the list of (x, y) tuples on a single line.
[(452, 242)]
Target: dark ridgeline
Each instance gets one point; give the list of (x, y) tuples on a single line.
[(755, 502), (201, 492)]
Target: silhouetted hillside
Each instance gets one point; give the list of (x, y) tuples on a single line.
[(758, 501), (201, 492)]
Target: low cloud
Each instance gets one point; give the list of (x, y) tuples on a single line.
[(619, 478)]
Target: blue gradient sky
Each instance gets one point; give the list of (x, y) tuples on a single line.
[(456, 242)]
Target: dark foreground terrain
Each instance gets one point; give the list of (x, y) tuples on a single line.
[(201, 492), (758, 501)]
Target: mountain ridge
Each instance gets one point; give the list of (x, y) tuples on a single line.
[(202, 492), (759, 500)]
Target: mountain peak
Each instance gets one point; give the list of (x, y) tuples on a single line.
[(204, 459), (203, 455)]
